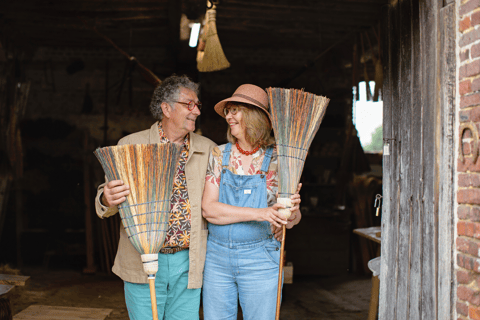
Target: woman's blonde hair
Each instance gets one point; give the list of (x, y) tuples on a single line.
[(258, 129)]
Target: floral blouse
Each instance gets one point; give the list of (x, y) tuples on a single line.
[(214, 168)]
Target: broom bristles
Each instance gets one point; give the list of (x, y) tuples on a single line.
[(212, 58), (149, 170), (296, 118)]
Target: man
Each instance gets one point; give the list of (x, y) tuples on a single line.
[(181, 260)]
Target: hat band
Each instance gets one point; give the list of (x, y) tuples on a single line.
[(250, 99)]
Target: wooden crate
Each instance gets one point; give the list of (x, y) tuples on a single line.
[(40, 312), (288, 273)]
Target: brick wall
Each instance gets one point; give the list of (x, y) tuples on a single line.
[(468, 195)]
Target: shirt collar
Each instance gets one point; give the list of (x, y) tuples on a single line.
[(164, 139)]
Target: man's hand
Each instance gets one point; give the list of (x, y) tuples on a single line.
[(114, 193)]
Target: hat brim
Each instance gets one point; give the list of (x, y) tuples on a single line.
[(221, 105)]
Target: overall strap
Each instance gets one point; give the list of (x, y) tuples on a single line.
[(266, 159), (226, 155)]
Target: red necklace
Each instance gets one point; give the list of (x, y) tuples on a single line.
[(247, 153)]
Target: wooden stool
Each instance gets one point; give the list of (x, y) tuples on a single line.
[(374, 266)]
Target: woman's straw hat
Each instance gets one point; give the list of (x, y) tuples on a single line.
[(247, 93)]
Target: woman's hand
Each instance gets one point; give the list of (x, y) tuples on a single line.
[(296, 215), (272, 215)]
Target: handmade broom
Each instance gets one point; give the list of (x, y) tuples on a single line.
[(149, 171), (212, 58), (296, 118)]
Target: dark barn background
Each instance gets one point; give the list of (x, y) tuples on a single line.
[(65, 90)]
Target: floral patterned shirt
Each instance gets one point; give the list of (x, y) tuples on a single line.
[(214, 168), (178, 233)]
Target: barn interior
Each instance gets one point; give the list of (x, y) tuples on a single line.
[(74, 76)]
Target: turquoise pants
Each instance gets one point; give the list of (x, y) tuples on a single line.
[(174, 300)]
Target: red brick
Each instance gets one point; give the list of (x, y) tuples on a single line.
[(465, 87), (476, 85), (464, 55), (463, 212), (464, 24), (468, 7), (475, 51), (471, 196), (464, 115), (466, 146), (475, 18), (474, 116), (466, 245), (474, 214), (469, 69), (462, 308), (470, 100), (474, 313), (463, 277), (468, 180), (464, 293), (469, 37), (465, 262), (462, 231)]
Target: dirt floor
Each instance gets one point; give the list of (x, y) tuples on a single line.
[(328, 298)]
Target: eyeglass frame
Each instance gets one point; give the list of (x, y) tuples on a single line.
[(227, 110), (195, 104)]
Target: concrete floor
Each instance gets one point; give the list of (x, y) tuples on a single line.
[(339, 297)]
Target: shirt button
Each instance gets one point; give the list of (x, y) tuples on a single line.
[(277, 248), (270, 236)]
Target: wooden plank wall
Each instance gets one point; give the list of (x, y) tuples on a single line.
[(417, 243)]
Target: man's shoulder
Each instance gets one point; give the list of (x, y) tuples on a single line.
[(202, 142)]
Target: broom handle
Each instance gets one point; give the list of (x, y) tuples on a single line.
[(280, 273), (153, 297)]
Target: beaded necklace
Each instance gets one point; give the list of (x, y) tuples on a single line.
[(247, 153)]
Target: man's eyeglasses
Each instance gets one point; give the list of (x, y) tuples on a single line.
[(191, 104), (233, 110)]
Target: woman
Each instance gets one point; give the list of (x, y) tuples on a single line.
[(239, 202)]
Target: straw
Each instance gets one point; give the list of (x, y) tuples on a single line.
[(149, 170), (212, 58)]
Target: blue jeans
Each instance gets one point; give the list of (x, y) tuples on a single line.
[(174, 300), (247, 272)]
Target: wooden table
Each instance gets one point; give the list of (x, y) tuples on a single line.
[(7, 283), (374, 234)]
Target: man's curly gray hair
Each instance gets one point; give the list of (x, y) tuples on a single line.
[(168, 91)]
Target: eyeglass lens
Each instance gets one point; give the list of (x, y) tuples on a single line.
[(233, 110), (192, 105)]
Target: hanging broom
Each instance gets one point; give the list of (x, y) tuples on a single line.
[(212, 57), (296, 118), (149, 170)]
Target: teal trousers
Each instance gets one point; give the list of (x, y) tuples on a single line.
[(174, 300)]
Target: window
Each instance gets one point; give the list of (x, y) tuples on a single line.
[(368, 118)]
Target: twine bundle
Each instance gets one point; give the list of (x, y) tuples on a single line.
[(212, 58), (296, 118), (149, 171)]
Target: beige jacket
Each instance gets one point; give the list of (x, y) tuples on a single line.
[(128, 264)]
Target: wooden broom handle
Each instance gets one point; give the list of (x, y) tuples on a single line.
[(280, 274), (153, 297)]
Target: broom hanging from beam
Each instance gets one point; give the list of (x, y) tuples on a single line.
[(149, 170), (210, 56), (296, 118)]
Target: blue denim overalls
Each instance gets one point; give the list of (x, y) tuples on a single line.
[(242, 258)]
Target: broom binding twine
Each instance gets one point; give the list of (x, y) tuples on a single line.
[(150, 264), (288, 204)]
